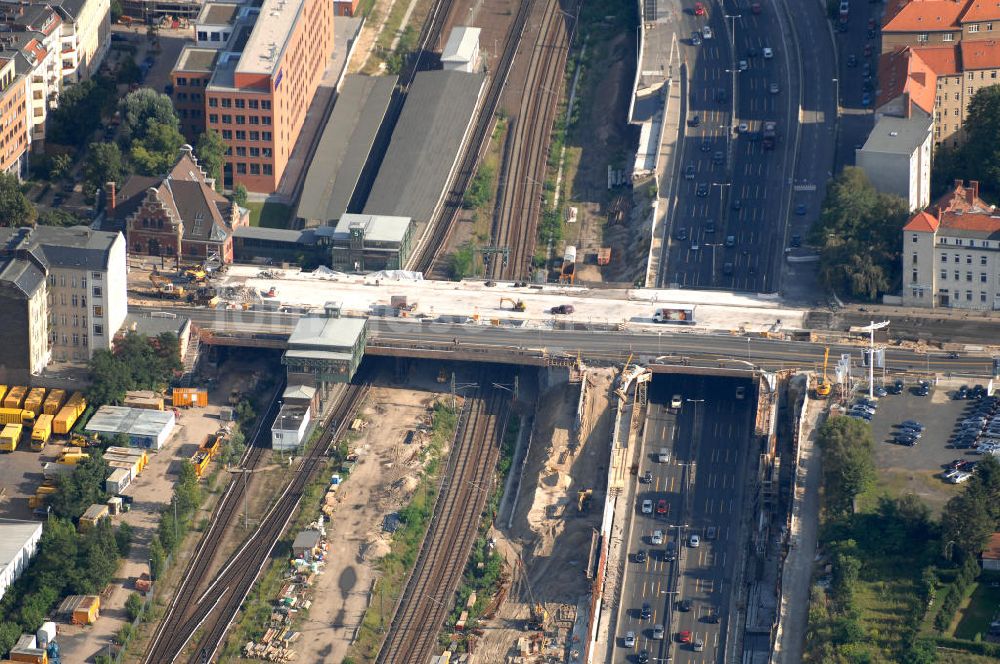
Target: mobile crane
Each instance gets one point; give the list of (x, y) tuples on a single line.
[(823, 386)]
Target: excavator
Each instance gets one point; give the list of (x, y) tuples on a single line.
[(823, 386), (165, 287), (515, 305), (583, 500)]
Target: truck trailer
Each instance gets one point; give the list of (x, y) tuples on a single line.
[(677, 315)]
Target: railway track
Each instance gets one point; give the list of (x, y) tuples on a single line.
[(429, 593), (525, 158), (210, 610), (431, 256)]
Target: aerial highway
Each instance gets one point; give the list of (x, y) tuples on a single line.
[(728, 219), (665, 345)]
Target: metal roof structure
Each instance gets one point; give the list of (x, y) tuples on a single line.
[(425, 145), (330, 334), (461, 45), (377, 227), (131, 421), (13, 536), (334, 174), (898, 135)]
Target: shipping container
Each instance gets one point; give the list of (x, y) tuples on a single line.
[(212, 444), (3, 393), (15, 416), (46, 634), (130, 462), (29, 655), (10, 437), (41, 432), (52, 470), (77, 400), (65, 419), (53, 402), (679, 315), (80, 609), (118, 481), (34, 400), (72, 459), (131, 452), (184, 397), (15, 398), (124, 465), (93, 514), (154, 403)]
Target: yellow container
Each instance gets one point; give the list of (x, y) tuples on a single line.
[(65, 419), (10, 437), (53, 402), (184, 397), (41, 432), (15, 398), (14, 416), (34, 400)]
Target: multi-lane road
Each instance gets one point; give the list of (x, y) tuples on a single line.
[(686, 583), (728, 216)]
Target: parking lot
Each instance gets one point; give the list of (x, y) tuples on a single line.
[(918, 469)]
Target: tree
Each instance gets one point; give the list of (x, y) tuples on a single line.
[(157, 557), (123, 539), (128, 71), (156, 151), (240, 195), (55, 217), (211, 152), (133, 606), (858, 236), (104, 164), (10, 632), (967, 522), (137, 362), (143, 109), (59, 166), (15, 208), (81, 488), (80, 110), (848, 464)]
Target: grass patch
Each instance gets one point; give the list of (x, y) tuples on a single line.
[(269, 214), (394, 568), (976, 614)]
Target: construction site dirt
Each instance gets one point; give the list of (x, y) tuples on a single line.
[(382, 482), (547, 544)]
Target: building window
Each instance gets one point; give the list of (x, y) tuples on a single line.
[(944, 258), (958, 258), (76, 320), (241, 151), (227, 119), (982, 260), (968, 276), (98, 330), (944, 275), (254, 169), (74, 300), (268, 170), (202, 35), (86, 340), (241, 119), (98, 311), (241, 135), (266, 152), (213, 102), (254, 120), (968, 296), (227, 103), (989, 27), (914, 276), (254, 135), (241, 168), (968, 259), (227, 134), (254, 103), (240, 103), (213, 118), (914, 238), (973, 27), (265, 120), (254, 152), (266, 135), (265, 104), (982, 296), (83, 301), (971, 90), (76, 339), (982, 277), (958, 275), (181, 81), (914, 259), (947, 37)]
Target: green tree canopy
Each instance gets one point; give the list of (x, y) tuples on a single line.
[(15, 208), (858, 236), (211, 153), (104, 164), (80, 110), (240, 195), (966, 521), (143, 109), (848, 461), (978, 158), (137, 362), (81, 488), (156, 152)]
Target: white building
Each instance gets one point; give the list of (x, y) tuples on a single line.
[(897, 158), (289, 428), (145, 428), (18, 545), (951, 253), (461, 52)]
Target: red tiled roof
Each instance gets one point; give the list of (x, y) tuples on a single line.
[(980, 55), (992, 550), (942, 60), (904, 72), (923, 16), (962, 198), (922, 222), (981, 10), (978, 222)]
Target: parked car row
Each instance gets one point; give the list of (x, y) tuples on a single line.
[(980, 430)]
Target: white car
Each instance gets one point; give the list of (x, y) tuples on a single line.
[(694, 541), (656, 537), (647, 506), (768, 53), (676, 401), (744, 65), (629, 639), (706, 32), (959, 478)]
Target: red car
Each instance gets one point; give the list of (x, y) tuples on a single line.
[(755, 8), (662, 507), (699, 9), (684, 637)]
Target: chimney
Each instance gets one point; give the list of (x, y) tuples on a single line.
[(959, 183), (112, 195), (975, 189)]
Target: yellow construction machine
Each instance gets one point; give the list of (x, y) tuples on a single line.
[(516, 305), (583, 500), (823, 386), (166, 287), (539, 618)]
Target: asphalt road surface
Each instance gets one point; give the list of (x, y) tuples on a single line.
[(729, 214), (701, 485)]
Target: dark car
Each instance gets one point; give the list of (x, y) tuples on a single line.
[(645, 613), (713, 618), (647, 478), (800, 208), (727, 269), (912, 424), (906, 439), (563, 309), (706, 145), (710, 227), (881, 391), (670, 553), (730, 241), (737, 204), (852, 60), (721, 96), (702, 191), (642, 657), (640, 556), (796, 241), (689, 172), (694, 121), (684, 605), (681, 234), (696, 38), (718, 157), (752, 52)]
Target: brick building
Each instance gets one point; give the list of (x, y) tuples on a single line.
[(180, 216), (256, 80)]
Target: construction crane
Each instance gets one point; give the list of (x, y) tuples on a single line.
[(516, 305), (823, 386)]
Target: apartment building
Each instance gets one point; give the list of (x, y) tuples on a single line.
[(951, 253), (897, 158), (86, 36), (64, 296), (255, 80), (938, 22), (15, 128)]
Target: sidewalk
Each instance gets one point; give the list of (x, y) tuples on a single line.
[(797, 573), (666, 175)]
